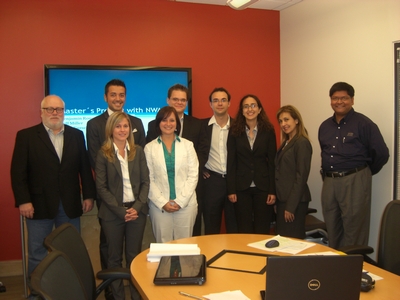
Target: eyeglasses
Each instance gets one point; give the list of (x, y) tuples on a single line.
[(345, 98), (247, 106), (223, 100), (179, 100), (50, 110)]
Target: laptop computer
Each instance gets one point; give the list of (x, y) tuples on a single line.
[(314, 277), (181, 270)]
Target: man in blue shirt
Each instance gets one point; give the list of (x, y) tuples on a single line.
[(352, 150)]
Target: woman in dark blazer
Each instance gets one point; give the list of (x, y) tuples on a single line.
[(250, 167), (122, 181), (292, 162)]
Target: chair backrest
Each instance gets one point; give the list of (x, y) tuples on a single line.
[(56, 279), (68, 240), (389, 241)]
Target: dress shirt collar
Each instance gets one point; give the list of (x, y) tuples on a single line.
[(214, 121), (48, 129), (110, 112), (248, 130), (345, 118), (116, 147)]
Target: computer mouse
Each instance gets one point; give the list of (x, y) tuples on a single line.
[(272, 244)]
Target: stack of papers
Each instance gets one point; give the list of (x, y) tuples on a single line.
[(228, 295), (159, 249), (286, 245)]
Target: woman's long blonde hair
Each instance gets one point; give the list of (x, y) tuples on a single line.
[(108, 145), (295, 114)]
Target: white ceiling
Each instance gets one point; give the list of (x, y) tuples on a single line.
[(261, 4)]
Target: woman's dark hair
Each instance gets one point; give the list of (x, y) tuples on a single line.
[(239, 125), (165, 112)]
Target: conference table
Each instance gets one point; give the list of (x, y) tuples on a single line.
[(250, 283)]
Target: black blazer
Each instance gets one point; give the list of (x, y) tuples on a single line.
[(191, 130), (245, 165), (95, 134), (204, 143), (37, 176), (292, 167)]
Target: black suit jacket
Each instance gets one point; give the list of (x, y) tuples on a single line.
[(205, 142), (37, 176), (191, 130), (246, 165), (95, 134), (292, 167)]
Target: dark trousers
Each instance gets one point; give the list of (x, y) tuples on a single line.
[(103, 242), (295, 229), (198, 221), (130, 234), (215, 201), (103, 247), (253, 215)]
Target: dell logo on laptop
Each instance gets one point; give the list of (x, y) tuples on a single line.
[(314, 284)]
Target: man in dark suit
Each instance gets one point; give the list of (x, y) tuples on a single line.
[(212, 158), (115, 96), (190, 126), (49, 170), (190, 130)]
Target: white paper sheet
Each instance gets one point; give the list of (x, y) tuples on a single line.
[(160, 249), (228, 295), (286, 245)]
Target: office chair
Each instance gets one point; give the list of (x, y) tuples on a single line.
[(315, 228), (56, 279), (67, 239), (389, 241)]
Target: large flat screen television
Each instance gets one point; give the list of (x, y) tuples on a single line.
[(82, 89)]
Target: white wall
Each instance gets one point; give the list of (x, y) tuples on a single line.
[(325, 41)]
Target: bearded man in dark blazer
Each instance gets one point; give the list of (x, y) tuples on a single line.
[(50, 170)]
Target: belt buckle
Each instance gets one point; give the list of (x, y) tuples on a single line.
[(127, 205)]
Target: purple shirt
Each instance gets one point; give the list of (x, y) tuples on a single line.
[(355, 142)]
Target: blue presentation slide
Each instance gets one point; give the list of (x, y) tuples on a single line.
[(82, 90)]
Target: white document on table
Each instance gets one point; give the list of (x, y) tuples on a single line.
[(286, 245), (228, 295), (160, 249)]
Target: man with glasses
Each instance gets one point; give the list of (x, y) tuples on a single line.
[(352, 150), (212, 159), (50, 170), (190, 126), (190, 130)]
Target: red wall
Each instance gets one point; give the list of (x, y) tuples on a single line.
[(235, 49)]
